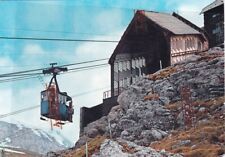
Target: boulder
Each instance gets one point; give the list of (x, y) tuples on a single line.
[(123, 148)]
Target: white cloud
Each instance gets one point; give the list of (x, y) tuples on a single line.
[(33, 49), (6, 61), (191, 13)]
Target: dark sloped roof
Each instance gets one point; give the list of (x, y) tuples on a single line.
[(171, 23), (175, 24), (216, 3)]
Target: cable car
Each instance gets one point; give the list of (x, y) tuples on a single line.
[(56, 105)]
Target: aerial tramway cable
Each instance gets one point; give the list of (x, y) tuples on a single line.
[(59, 39), (19, 77), (28, 72)]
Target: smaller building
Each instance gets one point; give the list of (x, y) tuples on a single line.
[(214, 23)]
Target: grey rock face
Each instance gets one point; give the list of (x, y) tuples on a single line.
[(144, 121), (112, 148)]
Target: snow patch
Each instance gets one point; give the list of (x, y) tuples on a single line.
[(57, 137), (19, 125), (36, 131), (46, 135)]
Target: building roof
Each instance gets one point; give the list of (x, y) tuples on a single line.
[(171, 23), (214, 4)]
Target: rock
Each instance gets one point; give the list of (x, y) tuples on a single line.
[(223, 107), (53, 154), (115, 114), (181, 143), (164, 100), (124, 133), (110, 149), (98, 127), (180, 119), (124, 148), (82, 140), (153, 134), (215, 50), (143, 122), (93, 132), (126, 123), (202, 109)]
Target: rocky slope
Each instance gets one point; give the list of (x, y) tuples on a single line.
[(18, 136), (150, 113)]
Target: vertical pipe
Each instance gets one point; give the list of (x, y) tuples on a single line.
[(160, 63), (86, 149)]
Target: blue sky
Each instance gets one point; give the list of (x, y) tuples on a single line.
[(80, 19)]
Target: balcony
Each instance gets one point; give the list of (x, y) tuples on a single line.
[(108, 94)]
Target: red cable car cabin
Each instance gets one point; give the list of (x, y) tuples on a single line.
[(55, 104)]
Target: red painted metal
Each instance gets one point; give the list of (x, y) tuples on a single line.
[(54, 105), (187, 106)]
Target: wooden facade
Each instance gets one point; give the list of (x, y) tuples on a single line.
[(214, 23), (150, 43)]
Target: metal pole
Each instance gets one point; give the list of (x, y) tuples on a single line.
[(86, 149), (160, 62)]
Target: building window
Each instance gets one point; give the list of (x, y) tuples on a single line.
[(115, 84), (172, 45), (124, 65), (143, 61), (128, 65), (121, 83), (137, 63), (140, 62), (124, 82), (116, 67), (216, 29), (175, 45), (128, 81), (133, 63), (187, 44), (180, 44), (133, 79), (120, 66), (215, 15)]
